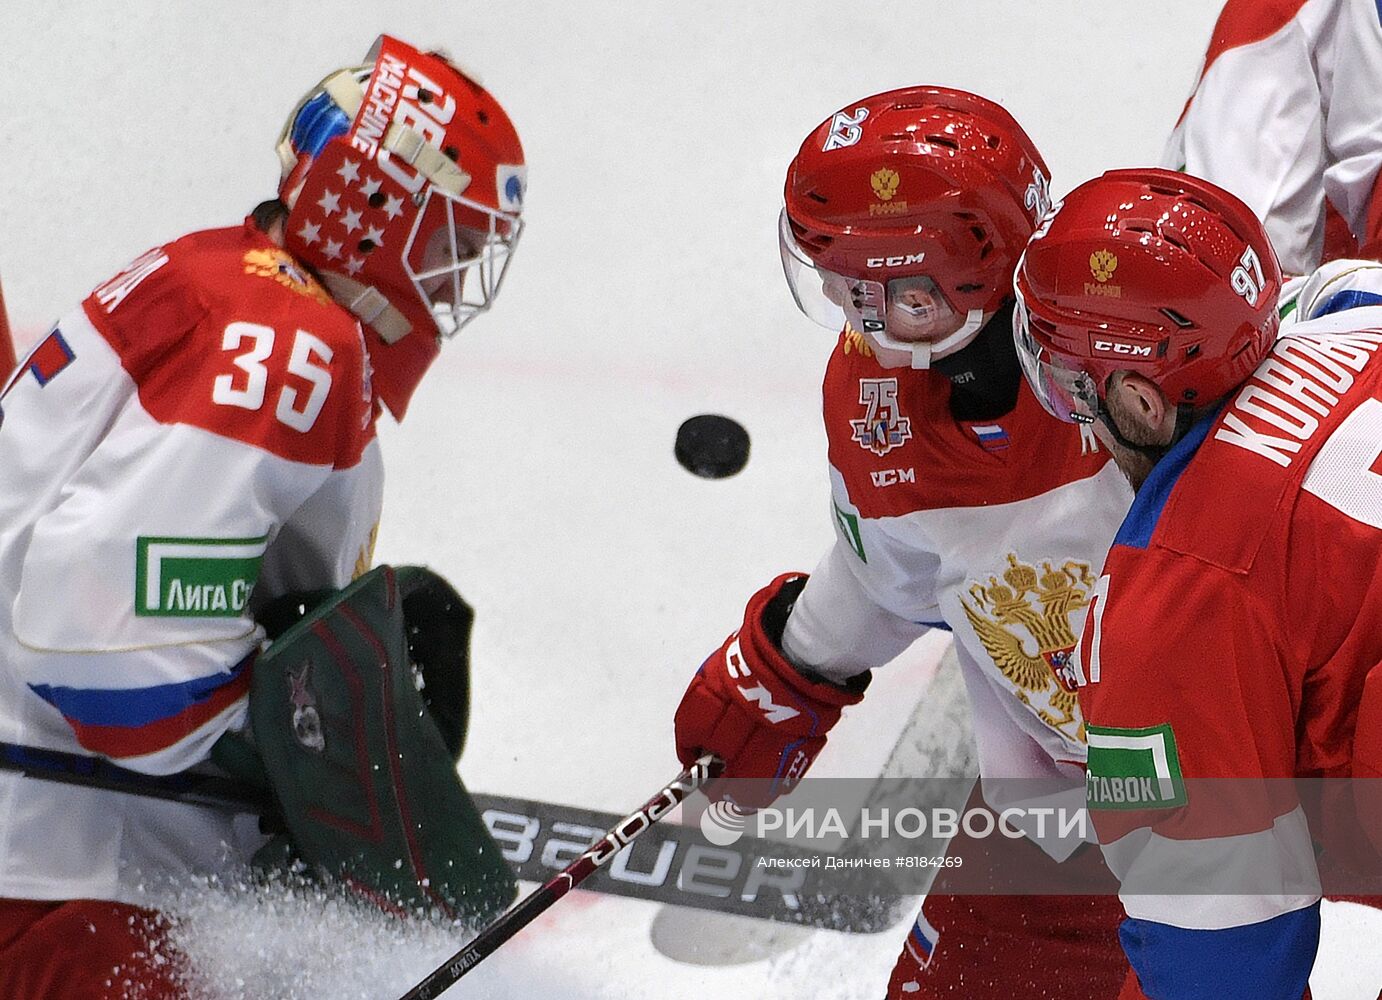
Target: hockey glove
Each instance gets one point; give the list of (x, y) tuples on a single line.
[(759, 714)]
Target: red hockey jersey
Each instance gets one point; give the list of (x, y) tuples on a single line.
[(1236, 633), (197, 438)]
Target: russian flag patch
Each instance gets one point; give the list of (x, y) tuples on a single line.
[(991, 437), (49, 358), (922, 941)]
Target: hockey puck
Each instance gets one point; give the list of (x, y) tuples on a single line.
[(712, 446)]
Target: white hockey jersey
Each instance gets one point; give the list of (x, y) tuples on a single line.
[(197, 437), (1285, 115), (995, 530)]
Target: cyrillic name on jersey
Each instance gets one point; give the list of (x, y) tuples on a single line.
[(114, 291), (1299, 384)]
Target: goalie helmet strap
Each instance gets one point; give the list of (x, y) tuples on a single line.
[(369, 305)]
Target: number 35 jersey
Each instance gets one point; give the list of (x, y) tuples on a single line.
[(197, 438)]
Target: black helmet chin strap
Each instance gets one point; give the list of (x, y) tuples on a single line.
[(1184, 418)]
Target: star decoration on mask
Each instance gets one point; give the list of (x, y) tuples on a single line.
[(370, 186), (354, 264), (349, 172), (393, 207), (331, 250), (330, 203), (376, 235), (310, 233), (350, 220)]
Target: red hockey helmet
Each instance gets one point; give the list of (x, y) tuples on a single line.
[(1151, 271), (916, 202), (404, 179)]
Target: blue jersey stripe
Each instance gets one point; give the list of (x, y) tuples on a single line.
[(1352, 298), (1137, 527), (1268, 959), (133, 706)]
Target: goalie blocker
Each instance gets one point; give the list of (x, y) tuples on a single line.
[(358, 715)]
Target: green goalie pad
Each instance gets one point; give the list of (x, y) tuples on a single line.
[(365, 780), (438, 628)]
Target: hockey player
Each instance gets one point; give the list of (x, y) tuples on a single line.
[(1234, 631), (958, 504), (195, 439), (1284, 116)]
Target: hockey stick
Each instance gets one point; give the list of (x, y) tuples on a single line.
[(677, 791), (96, 772)]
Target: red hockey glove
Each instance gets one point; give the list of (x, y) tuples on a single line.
[(757, 712)]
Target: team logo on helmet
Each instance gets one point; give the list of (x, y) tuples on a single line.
[(1102, 264), (1023, 620), (884, 183), (883, 426), (511, 181)]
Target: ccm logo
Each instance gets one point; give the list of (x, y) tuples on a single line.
[(900, 261), (891, 477), (1121, 348), (758, 694)]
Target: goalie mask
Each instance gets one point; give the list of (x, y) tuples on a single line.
[(905, 214), (404, 181)]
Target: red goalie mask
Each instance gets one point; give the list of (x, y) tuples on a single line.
[(405, 180)]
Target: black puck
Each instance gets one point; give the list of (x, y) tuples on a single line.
[(712, 446)]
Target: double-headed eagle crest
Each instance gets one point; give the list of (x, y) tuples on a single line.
[(1037, 604), (278, 265)]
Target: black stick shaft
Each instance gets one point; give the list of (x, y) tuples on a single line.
[(600, 853), (96, 772)]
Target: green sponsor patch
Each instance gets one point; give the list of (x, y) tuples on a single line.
[(195, 577), (850, 525), (1133, 769)]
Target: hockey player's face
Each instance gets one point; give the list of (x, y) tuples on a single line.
[(1137, 423), (447, 265), (914, 310), (918, 312)]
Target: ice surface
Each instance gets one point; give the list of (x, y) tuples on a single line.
[(536, 469)]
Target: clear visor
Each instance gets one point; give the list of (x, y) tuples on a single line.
[(1067, 393), (903, 310), (458, 255)]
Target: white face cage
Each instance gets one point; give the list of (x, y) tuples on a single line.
[(461, 268)]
